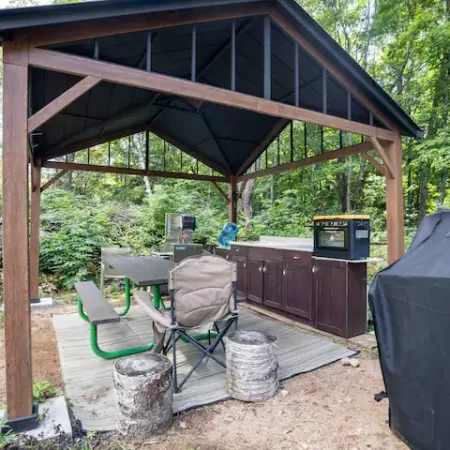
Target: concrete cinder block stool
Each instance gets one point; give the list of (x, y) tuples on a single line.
[(144, 391), (252, 365)]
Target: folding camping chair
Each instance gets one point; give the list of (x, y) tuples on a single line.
[(202, 294)]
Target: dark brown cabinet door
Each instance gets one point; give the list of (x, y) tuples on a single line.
[(241, 266), (330, 286), (255, 278), (298, 283), (273, 284)]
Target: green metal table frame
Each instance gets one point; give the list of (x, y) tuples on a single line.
[(157, 301)]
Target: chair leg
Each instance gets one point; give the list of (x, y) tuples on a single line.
[(102, 279), (174, 357)]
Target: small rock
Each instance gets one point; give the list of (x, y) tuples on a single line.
[(183, 425), (284, 392), (346, 362), (354, 363), (304, 446)]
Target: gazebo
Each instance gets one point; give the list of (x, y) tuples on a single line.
[(218, 79)]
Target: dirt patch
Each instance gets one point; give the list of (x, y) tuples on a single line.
[(45, 353), (329, 409)]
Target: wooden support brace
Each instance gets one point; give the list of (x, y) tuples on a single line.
[(54, 179), (59, 103), (221, 191), (374, 163), (380, 150)]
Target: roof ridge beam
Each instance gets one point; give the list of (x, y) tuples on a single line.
[(51, 60)]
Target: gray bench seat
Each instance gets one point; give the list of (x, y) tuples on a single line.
[(97, 307)]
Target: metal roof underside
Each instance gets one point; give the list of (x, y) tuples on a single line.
[(221, 135)]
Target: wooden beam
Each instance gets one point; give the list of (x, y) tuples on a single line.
[(221, 192), (288, 27), (394, 203), (254, 155), (53, 180), (59, 103), (384, 157), (127, 171), (140, 22), (232, 203), (35, 212), (76, 65), (327, 156), (374, 163), (16, 282)]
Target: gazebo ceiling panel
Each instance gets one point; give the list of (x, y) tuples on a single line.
[(222, 135)]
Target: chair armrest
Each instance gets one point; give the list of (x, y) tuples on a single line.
[(144, 299)]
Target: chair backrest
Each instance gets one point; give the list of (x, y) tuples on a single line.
[(202, 289), (108, 252), (182, 251)]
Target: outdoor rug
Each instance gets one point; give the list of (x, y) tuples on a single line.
[(88, 379)]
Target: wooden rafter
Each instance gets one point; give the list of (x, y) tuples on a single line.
[(221, 191), (54, 179), (129, 171), (76, 65), (384, 157), (59, 103), (327, 156), (140, 22), (286, 25), (274, 132)]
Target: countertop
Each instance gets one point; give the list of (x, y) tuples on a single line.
[(301, 247)]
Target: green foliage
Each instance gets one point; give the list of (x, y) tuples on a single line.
[(43, 391), (7, 436)]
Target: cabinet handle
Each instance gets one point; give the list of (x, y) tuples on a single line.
[(265, 269), (284, 272), (245, 265), (315, 269), (260, 268), (296, 257)]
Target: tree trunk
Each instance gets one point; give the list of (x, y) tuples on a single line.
[(138, 145), (423, 194), (247, 203), (442, 189)]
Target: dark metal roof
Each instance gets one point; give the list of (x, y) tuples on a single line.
[(222, 135)]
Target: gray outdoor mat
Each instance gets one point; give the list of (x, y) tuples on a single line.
[(88, 379)]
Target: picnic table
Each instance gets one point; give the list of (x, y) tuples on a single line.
[(142, 271)]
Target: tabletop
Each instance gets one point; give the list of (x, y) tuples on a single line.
[(142, 270)]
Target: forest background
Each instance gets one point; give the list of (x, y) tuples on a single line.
[(403, 44)]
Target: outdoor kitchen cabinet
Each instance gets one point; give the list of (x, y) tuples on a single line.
[(298, 284), (340, 291), (239, 256), (265, 277)]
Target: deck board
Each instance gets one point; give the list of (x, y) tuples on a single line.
[(89, 384)]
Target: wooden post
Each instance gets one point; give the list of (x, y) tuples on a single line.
[(232, 195), (34, 226), (394, 203), (15, 230)]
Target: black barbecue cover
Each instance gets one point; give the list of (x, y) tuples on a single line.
[(410, 302)]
